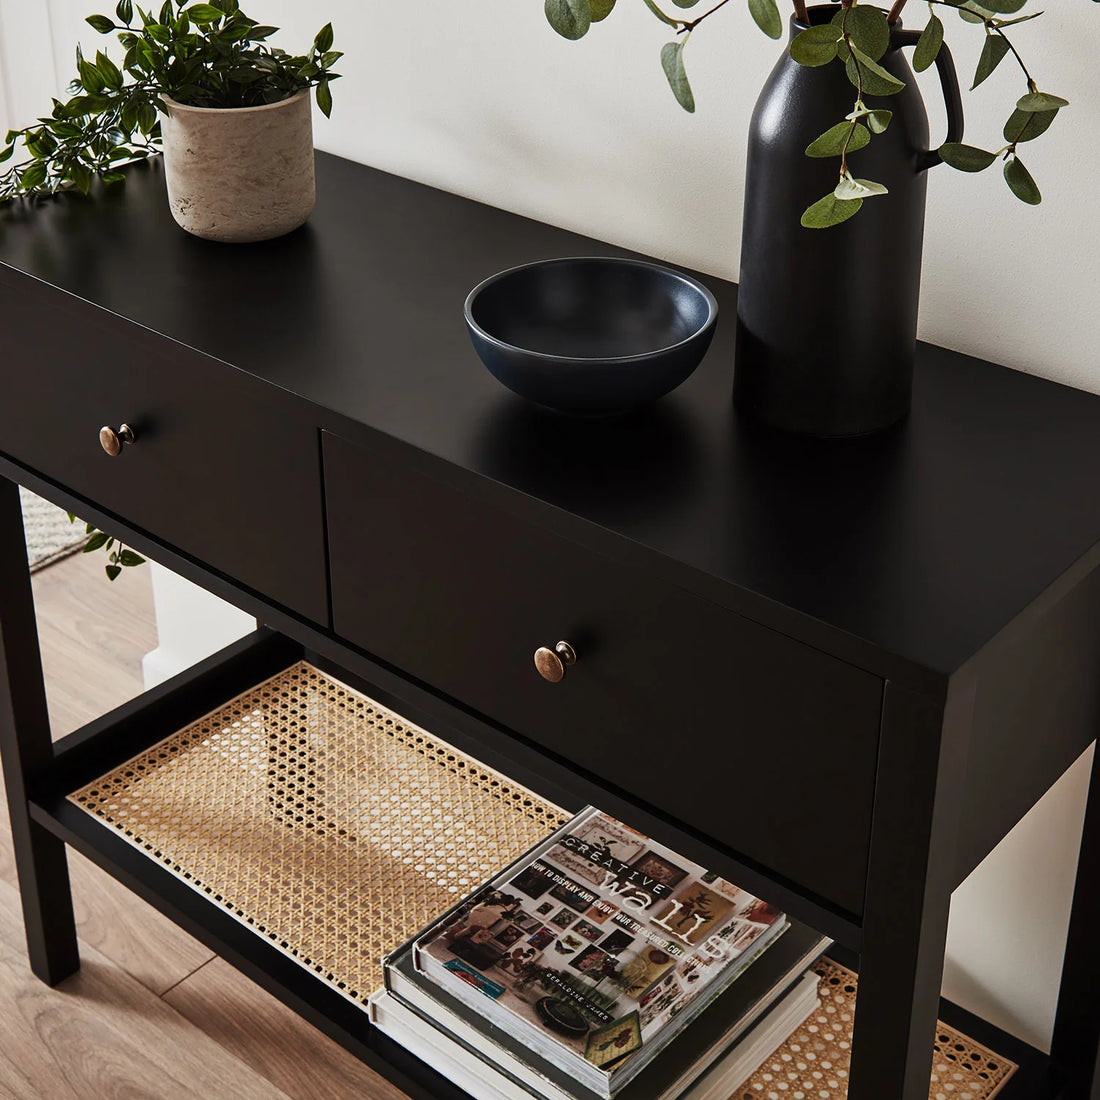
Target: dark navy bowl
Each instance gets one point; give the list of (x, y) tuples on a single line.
[(591, 335)]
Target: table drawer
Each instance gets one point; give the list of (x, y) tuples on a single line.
[(760, 742), (221, 469)]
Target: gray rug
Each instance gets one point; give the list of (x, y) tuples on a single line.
[(50, 535)]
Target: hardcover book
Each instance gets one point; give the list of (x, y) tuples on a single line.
[(597, 948)]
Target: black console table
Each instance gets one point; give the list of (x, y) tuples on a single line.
[(838, 673)]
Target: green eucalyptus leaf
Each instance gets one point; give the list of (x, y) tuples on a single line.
[(660, 14), (570, 18), (815, 46), (832, 142), (992, 55), (875, 80), (1041, 101), (1023, 186), (765, 14), (966, 158), (600, 9), (877, 121), (1003, 7), (1027, 125), (685, 3), (672, 61), (928, 45), (830, 211), (867, 27), (849, 188)]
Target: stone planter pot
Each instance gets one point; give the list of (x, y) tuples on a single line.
[(239, 174)]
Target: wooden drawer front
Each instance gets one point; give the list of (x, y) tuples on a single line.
[(221, 469), (756, 740)]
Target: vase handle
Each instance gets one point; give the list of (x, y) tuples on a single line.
[(952, 96)]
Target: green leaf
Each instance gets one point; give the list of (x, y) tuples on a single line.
[(102, 23), (90, 76), (323, 41), (124, 10), (1041, 101), (815, 46), (600, 9), (1023, 186), (875, 79), (203, 14), (877, 121), (660, 14), (6, 152), (112, 75), (831, 143), (966, 158), (570, 18), (34, 176), (672, 61), (1003, 7), (867, 27), (112, 571), (324, 97), (130, 559), (766, 15), (830, 211), (928, 45), (95, 542), (89, 528), (992, 55), (685, 3), (72, 518), (849, 188), (1028, 125)]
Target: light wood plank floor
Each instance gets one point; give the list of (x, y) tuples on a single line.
[(152, 1014)]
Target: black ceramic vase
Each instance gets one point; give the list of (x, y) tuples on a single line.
[(827, 318)]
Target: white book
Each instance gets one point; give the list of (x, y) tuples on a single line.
[(444, 1042)]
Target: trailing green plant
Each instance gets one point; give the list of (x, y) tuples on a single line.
[(118, 557), (857, 37), (203, 55)]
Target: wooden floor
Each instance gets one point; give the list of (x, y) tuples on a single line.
[(152, 1014)]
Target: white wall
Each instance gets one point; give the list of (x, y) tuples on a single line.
[(483, 99)]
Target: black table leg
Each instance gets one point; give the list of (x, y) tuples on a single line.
[(921, 770), (26, 751), (1076, 1046)]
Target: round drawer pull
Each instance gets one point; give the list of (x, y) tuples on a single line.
[(112, 442), (552, 663)]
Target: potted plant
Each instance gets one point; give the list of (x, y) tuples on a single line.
[(835, 193), (231, 113)]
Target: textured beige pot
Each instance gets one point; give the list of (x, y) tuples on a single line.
[(239, 174)]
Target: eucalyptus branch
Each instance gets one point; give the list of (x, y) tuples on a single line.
[(858, 36), (691, 24)]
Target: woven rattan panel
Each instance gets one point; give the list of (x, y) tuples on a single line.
[(321, 819), (813, 1063)]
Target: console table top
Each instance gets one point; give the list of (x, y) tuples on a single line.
[(905, 552)]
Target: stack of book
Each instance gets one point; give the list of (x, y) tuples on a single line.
[(601, 966)]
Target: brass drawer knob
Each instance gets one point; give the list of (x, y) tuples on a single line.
[(552, 663), (112, 442)]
